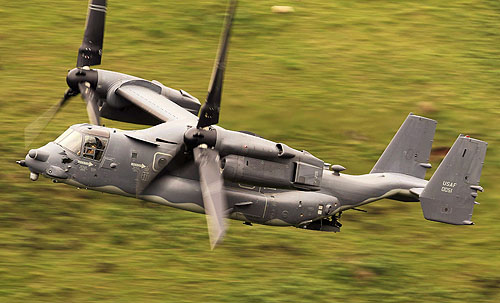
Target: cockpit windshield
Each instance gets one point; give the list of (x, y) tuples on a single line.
[(63, 135), (71, 140), (94, 141)]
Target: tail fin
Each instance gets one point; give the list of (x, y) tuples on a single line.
[(449, 196), (409, 150)]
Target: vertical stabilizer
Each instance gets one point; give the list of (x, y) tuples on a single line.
[(449, 196), (409, 150)]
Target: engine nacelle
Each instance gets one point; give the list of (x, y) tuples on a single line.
[(267, 163)]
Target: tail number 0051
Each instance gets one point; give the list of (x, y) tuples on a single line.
[(448, 186)]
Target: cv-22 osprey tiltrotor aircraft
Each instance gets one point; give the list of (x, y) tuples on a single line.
[(186, 161)]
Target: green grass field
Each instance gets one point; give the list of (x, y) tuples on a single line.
[(336, 78)]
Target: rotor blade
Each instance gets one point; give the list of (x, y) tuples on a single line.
[(209, 114), (90, 52), (36, 127), (212, 189), (90, 97)]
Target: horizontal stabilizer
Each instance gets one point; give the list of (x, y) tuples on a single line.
[(449, 195), (417, 191)]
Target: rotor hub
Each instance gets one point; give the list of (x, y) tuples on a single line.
[(79, 75), (194, 137)]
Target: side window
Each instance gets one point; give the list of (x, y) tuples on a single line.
[(94, 146)]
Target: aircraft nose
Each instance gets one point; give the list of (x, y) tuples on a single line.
[(33, 175), (38, 154), (39, 161), (36, 161)]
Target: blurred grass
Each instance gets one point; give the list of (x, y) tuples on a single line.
[(336, 78)]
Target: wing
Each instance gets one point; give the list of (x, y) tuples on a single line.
[(146, 95)]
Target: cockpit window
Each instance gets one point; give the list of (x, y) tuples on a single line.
[(63, 135), (71, 140), (94, 146)]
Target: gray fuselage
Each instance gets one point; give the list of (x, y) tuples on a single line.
[(265, 182)]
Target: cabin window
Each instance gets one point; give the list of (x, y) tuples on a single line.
[(94, 146), (71, 140)]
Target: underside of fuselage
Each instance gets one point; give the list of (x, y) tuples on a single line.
[(264, 205)]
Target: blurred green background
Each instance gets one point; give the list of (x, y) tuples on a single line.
[(335, 77)]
